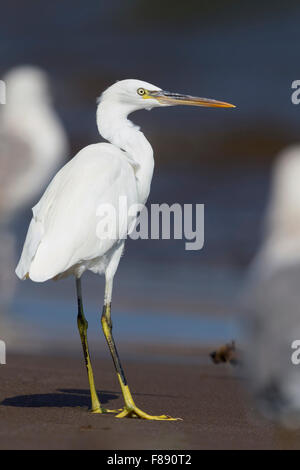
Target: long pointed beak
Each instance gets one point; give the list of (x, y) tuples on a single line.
[(172, 99)]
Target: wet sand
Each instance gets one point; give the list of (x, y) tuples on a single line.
[(45, 400)]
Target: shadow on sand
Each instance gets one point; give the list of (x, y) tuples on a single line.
[(66, 398)]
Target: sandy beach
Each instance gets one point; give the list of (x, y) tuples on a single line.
[(45, 400)]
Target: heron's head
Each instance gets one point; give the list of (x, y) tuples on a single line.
[(137, 94)]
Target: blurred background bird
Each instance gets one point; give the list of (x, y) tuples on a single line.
[(272, 298), (33, 143)]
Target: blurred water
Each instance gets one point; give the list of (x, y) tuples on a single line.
[(56, 321)]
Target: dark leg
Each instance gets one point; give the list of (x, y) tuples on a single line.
[(130, 409), (82, 327)]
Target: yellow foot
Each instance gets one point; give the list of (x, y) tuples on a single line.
[(135, 412), (105, 410)]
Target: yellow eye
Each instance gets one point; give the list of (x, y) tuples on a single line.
[(141, 91)]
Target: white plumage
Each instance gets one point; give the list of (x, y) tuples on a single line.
[(32, 140), (62, 238), (65, 235), (272, 298)]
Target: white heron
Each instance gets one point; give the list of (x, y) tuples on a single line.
[(272, 298), (33, 145), (63, 237)]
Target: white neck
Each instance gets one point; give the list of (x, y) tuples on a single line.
[(114, 126)]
